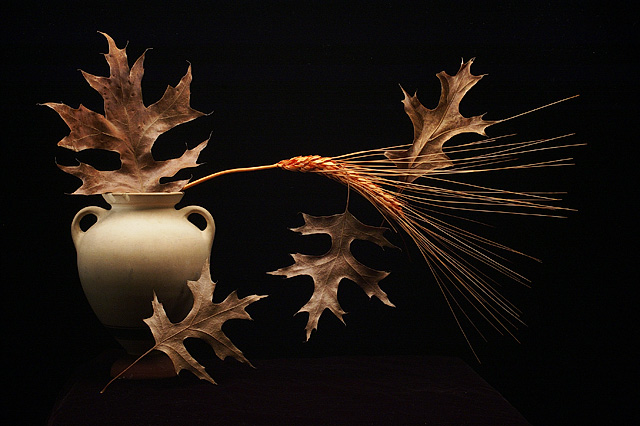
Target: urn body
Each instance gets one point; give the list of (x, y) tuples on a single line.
[(139, 246)]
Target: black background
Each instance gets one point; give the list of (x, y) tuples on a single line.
[(286, 79)]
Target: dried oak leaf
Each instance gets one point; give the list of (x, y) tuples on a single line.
[(129, 128), (204, 321), (433, 127), (330, 268)]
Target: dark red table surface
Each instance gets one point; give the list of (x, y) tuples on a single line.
[(385, 390)]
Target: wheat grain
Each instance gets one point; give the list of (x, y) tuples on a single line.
[(348, 175)]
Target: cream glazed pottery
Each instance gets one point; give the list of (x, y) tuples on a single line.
[(140, 245)]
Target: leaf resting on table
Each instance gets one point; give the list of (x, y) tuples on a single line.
[(433, 127), (204, 321), (129, 128), (329, 269)]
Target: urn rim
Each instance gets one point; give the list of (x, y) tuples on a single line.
[(146, 198)]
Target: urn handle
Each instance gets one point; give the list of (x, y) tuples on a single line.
[(76, 230), (210, 230)]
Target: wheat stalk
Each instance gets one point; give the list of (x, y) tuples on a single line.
[(423, 210)]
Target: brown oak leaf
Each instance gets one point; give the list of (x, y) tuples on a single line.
[(204, 321), (329, 269), (129, 128), (433, 127)]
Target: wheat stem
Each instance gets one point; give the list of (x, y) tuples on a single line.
[(229, 171)]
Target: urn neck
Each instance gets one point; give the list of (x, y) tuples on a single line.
[(143, 200)]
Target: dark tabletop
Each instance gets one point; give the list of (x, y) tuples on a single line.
[(357, 390)]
